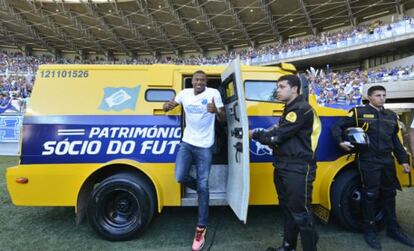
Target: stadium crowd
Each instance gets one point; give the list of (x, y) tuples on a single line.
[(345, 88), (391, 74), (17, 71), (337, 88), (340, 88)]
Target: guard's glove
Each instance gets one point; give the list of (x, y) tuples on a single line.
[(263, 136)]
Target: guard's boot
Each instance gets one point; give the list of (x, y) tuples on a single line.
[(394, 230), (397, 234), (371, 238), (368, 212), (285, 247), (290, 231)]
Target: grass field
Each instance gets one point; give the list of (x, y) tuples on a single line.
[(53, 228)]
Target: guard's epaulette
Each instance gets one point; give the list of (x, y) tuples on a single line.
[(391, 112)]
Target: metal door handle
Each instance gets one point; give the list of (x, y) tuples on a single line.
[(239, 149)]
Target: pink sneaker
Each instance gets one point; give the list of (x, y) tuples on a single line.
[(199, 240)]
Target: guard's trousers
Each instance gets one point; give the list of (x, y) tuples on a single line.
[(379, 180), (294, 183)]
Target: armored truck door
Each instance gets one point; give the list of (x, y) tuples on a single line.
[(238, 181)]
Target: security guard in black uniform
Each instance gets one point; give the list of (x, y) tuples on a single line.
[(376, 163), (294, 142)]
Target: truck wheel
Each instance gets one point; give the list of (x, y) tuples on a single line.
[(346, 202), (121, 206)]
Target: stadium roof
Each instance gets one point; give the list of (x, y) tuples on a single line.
[(175, 26)]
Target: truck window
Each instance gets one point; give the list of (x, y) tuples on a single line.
[(159, 95), (256, 90), (231, 93)]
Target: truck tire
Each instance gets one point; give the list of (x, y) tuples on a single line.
[(346, 202), (121, 206)]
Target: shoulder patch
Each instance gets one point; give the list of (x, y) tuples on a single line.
[(369, 116), (291, 117)]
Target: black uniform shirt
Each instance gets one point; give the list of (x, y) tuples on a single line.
[(296, 136), (381, 127)]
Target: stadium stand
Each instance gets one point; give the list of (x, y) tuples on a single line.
[(17, 71), (391, 74), (324, 41), (17, 76)]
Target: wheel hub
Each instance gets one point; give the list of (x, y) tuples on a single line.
[(356, 195), (123, 205)]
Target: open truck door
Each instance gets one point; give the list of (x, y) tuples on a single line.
[(238, 180)]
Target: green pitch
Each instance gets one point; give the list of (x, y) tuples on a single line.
[(53, 228)]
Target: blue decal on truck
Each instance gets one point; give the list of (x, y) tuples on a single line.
[(143, 138), (98, 139), (119, 98)]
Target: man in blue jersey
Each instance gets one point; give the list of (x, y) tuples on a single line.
[(321, 99), (341, 98), (356, 98)]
